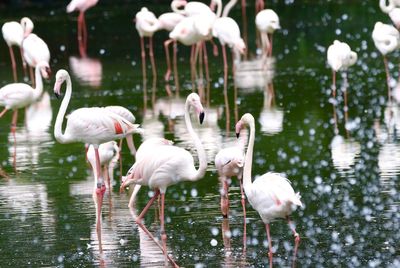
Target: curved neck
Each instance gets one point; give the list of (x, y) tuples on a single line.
[(228, 8), (248, 162), (174, 7), (219, 8), (60, 137), (386, 8), (39, 83), (199, 147)]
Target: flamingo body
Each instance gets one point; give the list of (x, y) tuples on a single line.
[(19, 95), (340, 56), (169, 20), (267, 21), (228, 33), (107, 152), (229, 161), (35, 50), (386, 38), (81, 5), (146, 23), (13, 33)]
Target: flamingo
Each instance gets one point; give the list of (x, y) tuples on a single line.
[(146, 24), (13, 33), (107, 152), (145, 148), (88, 71), (271, 194), (340, 57), (386, 39), (228, 33), (392, 9), (81, 6), (168, 165), (229, 163), (35, 50), (19, 95), (267, 21), (92, 126)]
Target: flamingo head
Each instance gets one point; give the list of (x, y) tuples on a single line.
[(44, 69), (61, 76), (27, 25), (194, 100), (247, 119), (240, 46)]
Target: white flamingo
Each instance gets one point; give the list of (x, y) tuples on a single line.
[(270, 194)]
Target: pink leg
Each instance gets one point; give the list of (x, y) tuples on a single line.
[(206, 61), (163, 234), (259, 5), (168, 73), (13, 64), (3, 112), (244, 214), (296, 239), (225, 64), (270, 45), (143, 54), (100, 189), (244, 23), (151, 54), (333, 83), (225, 198), (14, 120), (120, 157), (269, 245), (84, 31), (387, 77), (175, 63)]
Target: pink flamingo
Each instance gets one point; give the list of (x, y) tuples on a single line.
[(267, 21), (19, 95), (146, 24), (92, 126), (167, 166), (270, 194), (35, 50), (13, 33), (81, 6)]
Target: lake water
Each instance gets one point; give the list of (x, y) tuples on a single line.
[(347, 172)]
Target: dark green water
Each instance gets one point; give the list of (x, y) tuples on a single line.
[(349, 183)]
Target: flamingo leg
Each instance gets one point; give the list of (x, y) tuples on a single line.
[(259, 5), (168, 73), (334, 83), (13, 64), (206, 61), (79, 30), (14, 120), (270, 38), (131, 145), (120, 157), (100, 190), (84, 31), (3, 112), (225, 197), (225, 64), (151, 54), (296, 239), (175, 63), (387, 77), (244, 23), (163, 234), (269, 245), (143, 54)]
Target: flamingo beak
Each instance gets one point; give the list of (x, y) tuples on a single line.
[(57, 87), (238, 127), (201, 117)]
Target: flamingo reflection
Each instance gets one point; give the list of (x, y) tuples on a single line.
[(88, 71)]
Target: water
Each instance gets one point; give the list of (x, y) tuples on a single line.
[(348, 177)]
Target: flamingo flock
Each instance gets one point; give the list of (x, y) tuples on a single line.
[(158, 163)]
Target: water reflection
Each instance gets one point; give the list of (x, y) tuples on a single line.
[(30, 141), (271, 117), (254, 74), (88, 71)]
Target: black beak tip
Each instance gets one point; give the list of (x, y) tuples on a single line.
[(57, 95), (201, 117), (237, 135)]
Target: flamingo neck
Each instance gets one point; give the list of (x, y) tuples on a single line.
[(199, 147), (228, 8), (175, 7), (249, 158), (39, 83), (219, 8), (60, 137)]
